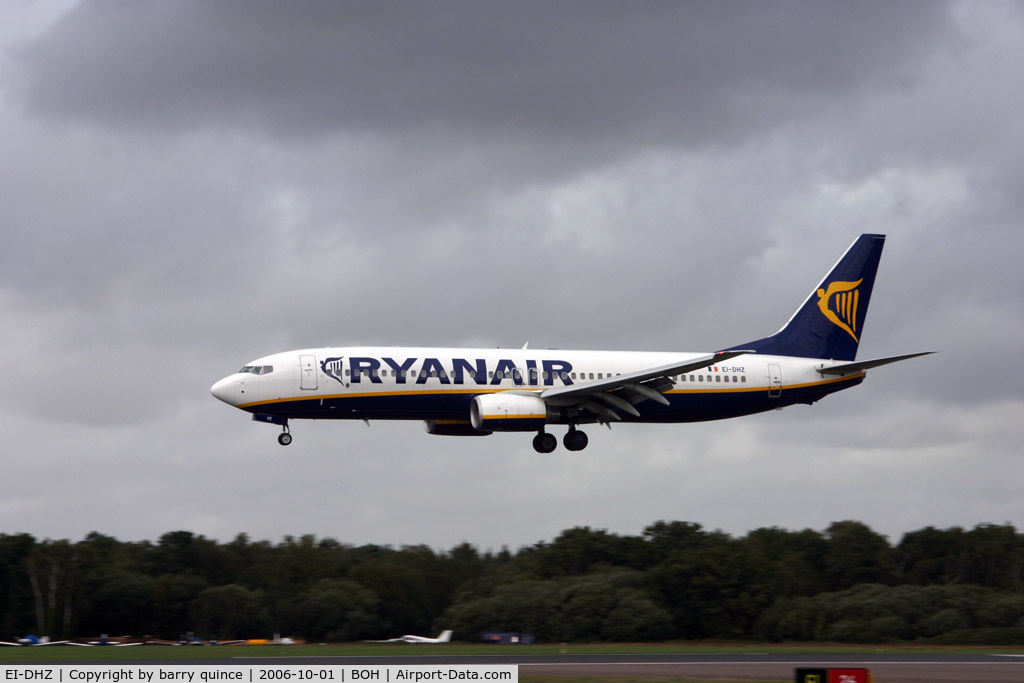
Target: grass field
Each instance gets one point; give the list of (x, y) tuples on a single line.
[(139, 655)]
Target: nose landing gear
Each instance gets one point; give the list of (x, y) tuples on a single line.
[(285, 437)]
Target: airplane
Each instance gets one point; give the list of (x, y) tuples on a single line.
[(476, 392), (33, 641), (445, 637), (194, 641)]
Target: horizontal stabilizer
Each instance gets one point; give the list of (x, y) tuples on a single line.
[(859, 366)]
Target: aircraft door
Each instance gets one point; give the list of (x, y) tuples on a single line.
[(307, 370), (774, 380)]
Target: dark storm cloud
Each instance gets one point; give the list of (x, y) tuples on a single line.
[(188, 186), (654, 72)]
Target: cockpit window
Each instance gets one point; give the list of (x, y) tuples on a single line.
[(257, 369)]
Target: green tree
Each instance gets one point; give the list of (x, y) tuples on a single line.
[(16, 598), (932, 556), (714, 589), (121, 601), (635, 618), (795, 559), (994, 556), (855, 554), (229, 612), (52, 573), (172, 598), (335, 610)]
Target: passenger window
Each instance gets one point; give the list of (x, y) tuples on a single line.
[(718, 378), (743, 379), (700, 377)]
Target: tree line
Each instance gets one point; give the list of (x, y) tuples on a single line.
[(676, 580)]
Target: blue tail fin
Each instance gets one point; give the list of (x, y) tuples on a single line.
[(831, 321)]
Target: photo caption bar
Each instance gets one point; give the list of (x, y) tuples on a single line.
[(256, 673)]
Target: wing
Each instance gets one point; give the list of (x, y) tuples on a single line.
[(601, 398)]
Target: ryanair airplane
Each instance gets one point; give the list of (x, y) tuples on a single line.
[(475, 392)]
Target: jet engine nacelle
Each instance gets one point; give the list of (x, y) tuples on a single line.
[(452, 428), (508, 412)]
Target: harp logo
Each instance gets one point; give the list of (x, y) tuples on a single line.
[(839, 304), (332, 368)]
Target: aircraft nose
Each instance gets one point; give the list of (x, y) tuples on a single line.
[(225, 390)]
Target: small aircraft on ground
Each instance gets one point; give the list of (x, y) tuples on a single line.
[(445, 637), (33, 641)]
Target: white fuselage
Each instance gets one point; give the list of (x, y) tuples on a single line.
[(417, 383)]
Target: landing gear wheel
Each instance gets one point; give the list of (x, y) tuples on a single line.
[(575, 440), (284, 438), (544, 442)]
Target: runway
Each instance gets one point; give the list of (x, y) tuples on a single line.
[(890, 668), (887, 668)]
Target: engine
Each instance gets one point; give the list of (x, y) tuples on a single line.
[(452, 428), (508, 412)]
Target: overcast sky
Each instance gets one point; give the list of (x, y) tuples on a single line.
[(186, 186)]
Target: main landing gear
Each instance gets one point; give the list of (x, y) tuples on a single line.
[(544, 442), (574, 440)]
